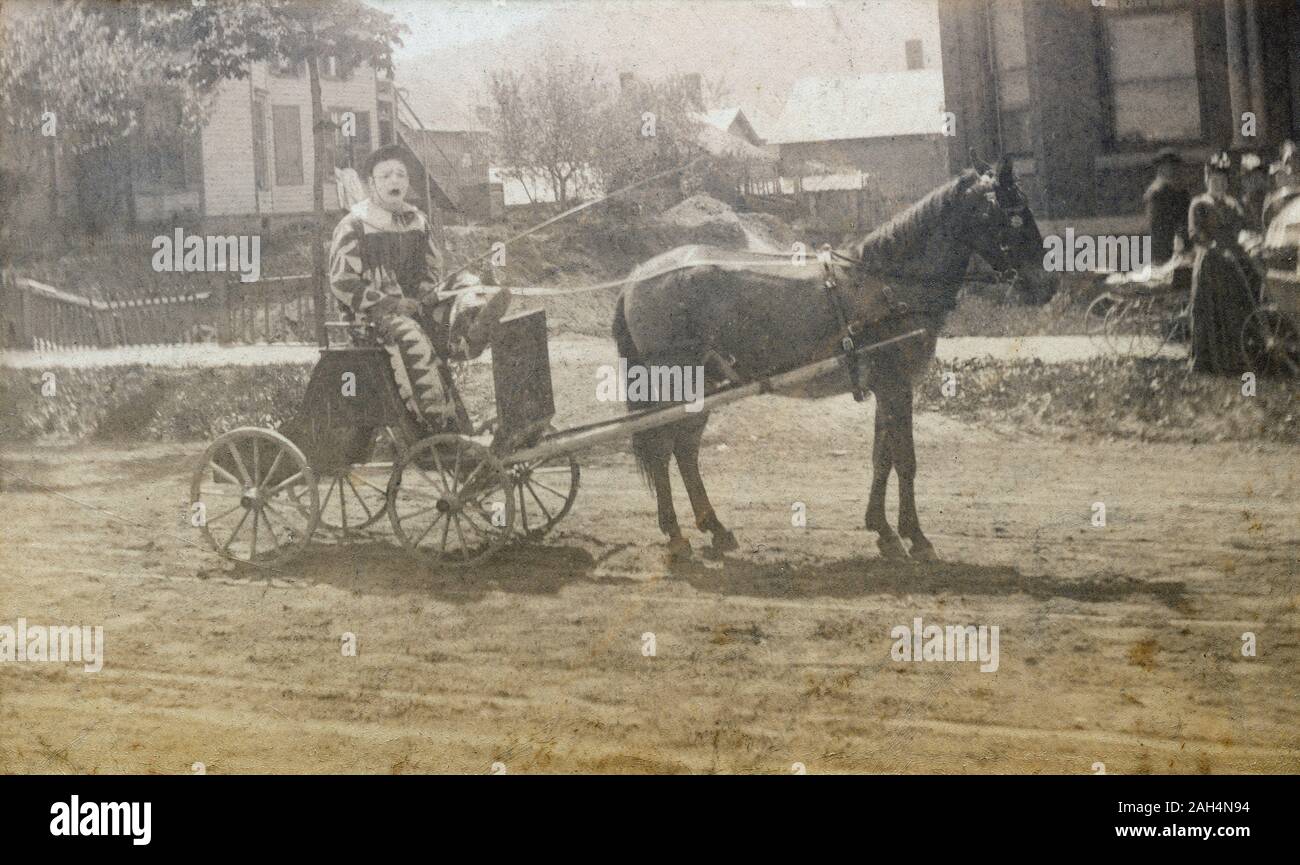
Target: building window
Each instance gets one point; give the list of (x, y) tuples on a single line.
[(287, 131), (1151, 72), (259, 142), (288, 68), (330, 67), (385, 118), (348, 151), (915, 55), (160, 162), (1007, 34)]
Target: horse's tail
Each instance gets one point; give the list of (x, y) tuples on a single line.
[(627, 350)]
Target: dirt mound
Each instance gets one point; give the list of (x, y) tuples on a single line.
[(699, 210)]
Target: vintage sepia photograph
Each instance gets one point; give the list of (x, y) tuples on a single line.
[(594, 387)]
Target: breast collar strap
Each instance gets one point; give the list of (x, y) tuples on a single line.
[(848, 330)]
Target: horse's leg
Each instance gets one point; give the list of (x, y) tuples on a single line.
[(687, 450), (653, 450), (882, 462), (909, 525)]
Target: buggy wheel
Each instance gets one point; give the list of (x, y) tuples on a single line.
[(356, 497), (1094, 317), (256, 496), (451, 501), (1270, 342), (546, 489), (1134, 327)]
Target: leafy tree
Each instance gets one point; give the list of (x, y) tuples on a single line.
[(70, 77)]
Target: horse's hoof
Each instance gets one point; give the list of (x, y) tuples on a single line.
[(678, 550), (891, 548), (724, 541), (923, 551)]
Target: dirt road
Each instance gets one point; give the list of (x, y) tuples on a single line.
[(1119, 645)]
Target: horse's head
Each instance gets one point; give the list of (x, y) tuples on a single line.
[(1002, 231)]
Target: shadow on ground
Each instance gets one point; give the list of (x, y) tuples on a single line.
[(857, 576), (375, 565)]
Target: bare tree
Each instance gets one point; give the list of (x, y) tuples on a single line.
[(549, 121)]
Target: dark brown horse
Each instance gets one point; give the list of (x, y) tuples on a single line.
[(743, 320)]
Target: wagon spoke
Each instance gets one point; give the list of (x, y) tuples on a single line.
[(257, 464), (288, 482), (523, 509), (464, 547), (230, 540), (455, 472), (559, 495), (275, 463), (545, 510), (224, 514), (360, 500), (425, 533), (239, 463), (371, 484), (266, 515), (227, 475), (446, 528)]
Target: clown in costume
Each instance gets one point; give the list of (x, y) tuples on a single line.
[(386, 270)]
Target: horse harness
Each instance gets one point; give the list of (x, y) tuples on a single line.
[(851, 331)]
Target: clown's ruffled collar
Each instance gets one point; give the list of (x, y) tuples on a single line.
[(381, 219)]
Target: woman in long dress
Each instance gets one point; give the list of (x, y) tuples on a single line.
[(1222, 276)]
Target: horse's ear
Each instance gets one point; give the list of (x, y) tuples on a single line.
[(978, 164), (1006, 172)]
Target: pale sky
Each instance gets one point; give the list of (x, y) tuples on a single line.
[(759, 48)]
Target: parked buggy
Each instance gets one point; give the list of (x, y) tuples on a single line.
[(1270, 336), (1140, 313)]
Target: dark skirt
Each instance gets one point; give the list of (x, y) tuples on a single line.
[(1221, 301)]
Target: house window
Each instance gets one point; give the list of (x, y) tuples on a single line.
[(1007, 32), (348, 151), (160, 159), (288, 68), (330, 67), (915, 55), (385, 118), (287, 131), (1151, 71), (259, 142)]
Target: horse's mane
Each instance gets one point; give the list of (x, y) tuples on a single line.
[(896, 240)]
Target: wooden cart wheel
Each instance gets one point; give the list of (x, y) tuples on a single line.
[(1270, 342), (451, 501), (546, 488), (1134, 326), (1094, 317), (255, 497), (357, 497)]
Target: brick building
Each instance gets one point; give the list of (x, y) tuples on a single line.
[(1084, 93)]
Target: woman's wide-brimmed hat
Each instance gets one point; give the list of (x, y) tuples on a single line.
[(1167, 156), (389, 151), (1220, 162)]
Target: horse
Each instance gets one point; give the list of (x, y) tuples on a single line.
[(744, 320)]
